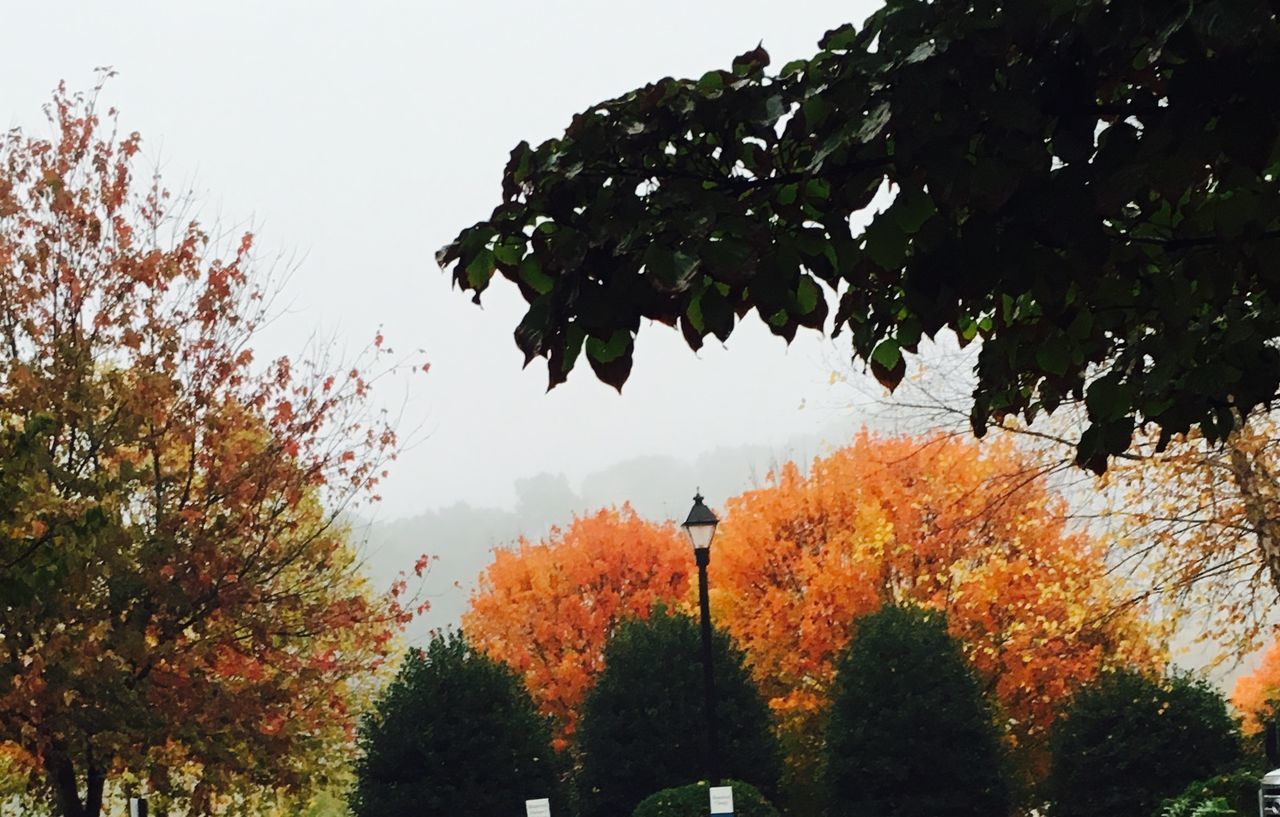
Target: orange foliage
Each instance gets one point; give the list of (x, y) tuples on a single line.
[(547, 608), (939, 521), (1255, 695)]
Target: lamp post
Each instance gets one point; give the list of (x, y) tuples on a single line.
[(700, 527)]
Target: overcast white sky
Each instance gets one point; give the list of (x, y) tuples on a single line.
[(362, 135)]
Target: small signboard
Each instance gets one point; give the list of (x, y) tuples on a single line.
[(537, 808), (721, 800)]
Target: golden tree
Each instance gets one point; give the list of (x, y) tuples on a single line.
[(937, 521)]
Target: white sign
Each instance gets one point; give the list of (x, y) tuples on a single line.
[(537, 808), (722, 800)]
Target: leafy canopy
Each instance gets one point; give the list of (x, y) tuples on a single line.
[(910, 734), (455, 733), (966, 528), (1089, 187), (1129, 740), (546, 608), (643, 724), (182, 607), (1257, 694), (1202, 521)]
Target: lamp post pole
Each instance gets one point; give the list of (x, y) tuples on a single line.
[(703, 558), (701, 529)]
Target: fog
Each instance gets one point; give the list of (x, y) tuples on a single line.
[(461, 537)]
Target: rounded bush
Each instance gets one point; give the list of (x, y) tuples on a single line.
[(454, 734), (1128, 741), (910, 734), (643, 726), (693, 801)]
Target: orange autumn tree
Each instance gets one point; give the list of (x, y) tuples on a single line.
[(939, 521), (1256, 695), (546, 608), (181, 610)]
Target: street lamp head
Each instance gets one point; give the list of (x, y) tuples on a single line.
[(700, 527)]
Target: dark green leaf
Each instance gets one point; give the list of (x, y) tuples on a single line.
[(608, 351), (1054, 357), (886, 243), (531, 273)]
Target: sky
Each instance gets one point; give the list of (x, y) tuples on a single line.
[(355, 139)]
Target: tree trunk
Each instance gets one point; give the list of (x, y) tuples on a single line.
[(61, 773), (1260, 495)]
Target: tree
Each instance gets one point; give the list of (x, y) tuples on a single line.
[(1129, 740), (972, 530), (1204, 520), (1195, 525), (181, 603), (1257, 694), (455, 733), (910, 734), (643, 724), (546, 609), (1090, 188)]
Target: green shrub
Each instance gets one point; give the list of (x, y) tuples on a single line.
[(694, 800), (1236, 792), (1213, 807), (1128, 741), (454, 734), (643, 727), (909, 733)]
